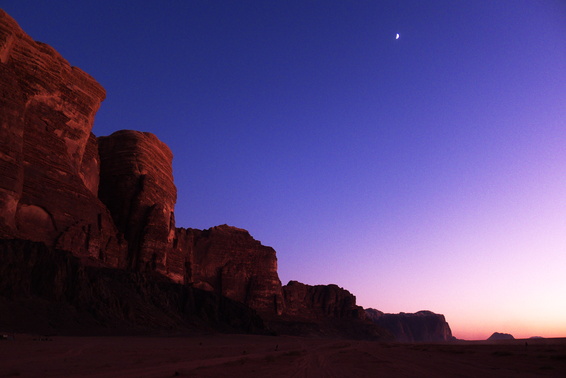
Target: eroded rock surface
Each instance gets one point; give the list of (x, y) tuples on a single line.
[(324, 310), (137, 186), (229, 261), (110, 202), (320, 301), (417, 327), (48, 156), (45, 290)]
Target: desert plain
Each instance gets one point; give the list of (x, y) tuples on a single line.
[(221, 355)]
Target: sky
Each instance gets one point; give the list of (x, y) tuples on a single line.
[(421, 173)]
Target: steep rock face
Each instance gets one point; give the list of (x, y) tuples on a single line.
[(48, 156), (417, 327), (308, 302), (229, 261), (47, 290), (136, 184), (324, 310)]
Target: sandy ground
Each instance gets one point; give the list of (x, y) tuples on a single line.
[(274, 356)]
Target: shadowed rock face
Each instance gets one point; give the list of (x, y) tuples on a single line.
[(229, 261), (53, 170), (308, 302), (137, 186), (47, 290), (48, 156), (324, 310), (501, 336), (420, 326)]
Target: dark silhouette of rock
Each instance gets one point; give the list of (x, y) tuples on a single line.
[(324, 310), (417, 327), (501, 336), (49, 159), (308, 302), (46, 290)]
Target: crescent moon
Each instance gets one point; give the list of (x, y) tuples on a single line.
[(397, 36)]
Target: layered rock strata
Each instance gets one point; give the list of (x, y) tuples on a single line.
[(136, 184), (110, 203), (48, 155), (317, 302), (229, 261)]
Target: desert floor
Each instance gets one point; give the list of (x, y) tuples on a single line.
[(274, 356)]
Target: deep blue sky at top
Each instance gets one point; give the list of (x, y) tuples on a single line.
[(308, 124)]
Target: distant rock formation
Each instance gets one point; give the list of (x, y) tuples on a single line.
[(418, 327), (324, 310), (311, 303), (501, 336)]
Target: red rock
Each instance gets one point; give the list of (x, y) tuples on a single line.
[(112, 200), (418, 327), (306, 302), (136, 184), (44, 290), (48, 155), (229, 261)]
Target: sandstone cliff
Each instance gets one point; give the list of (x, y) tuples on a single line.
[(53, 171), (417, 327), (324, 310), (230, 262), (46, 290), (48, 156), (102, 214), (136, 184), (320, 301)]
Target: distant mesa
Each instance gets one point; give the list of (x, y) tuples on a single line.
[(422, 326), (501, 336)]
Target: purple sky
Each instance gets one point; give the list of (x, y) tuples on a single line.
[(427, 172)]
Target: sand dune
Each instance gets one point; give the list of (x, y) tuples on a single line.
[(274, 356)]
